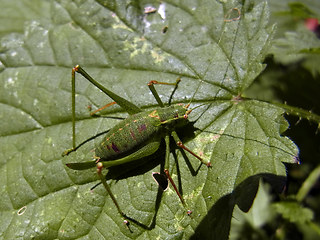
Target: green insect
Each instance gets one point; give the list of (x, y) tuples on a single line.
[(135, 137)]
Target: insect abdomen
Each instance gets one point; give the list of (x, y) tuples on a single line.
[(125, 137)]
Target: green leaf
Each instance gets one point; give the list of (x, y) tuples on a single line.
[(293, 212), (124, 48), (17, 13), (301, 45), (295, 43), (288, 14)]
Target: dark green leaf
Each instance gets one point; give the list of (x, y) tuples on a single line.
[(123, 48), (293, 212)]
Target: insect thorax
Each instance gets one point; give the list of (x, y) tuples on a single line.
[(173, 116)]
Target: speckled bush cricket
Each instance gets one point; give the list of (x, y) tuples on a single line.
[(145, 129)]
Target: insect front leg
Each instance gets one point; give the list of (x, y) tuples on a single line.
[(155, 93)]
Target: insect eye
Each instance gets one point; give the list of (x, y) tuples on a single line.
[(185, 116)]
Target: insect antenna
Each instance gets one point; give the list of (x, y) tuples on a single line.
[(203, 104), (190, 110), (194, 94)]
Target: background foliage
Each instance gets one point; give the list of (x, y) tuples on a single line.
[(217, 45)]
